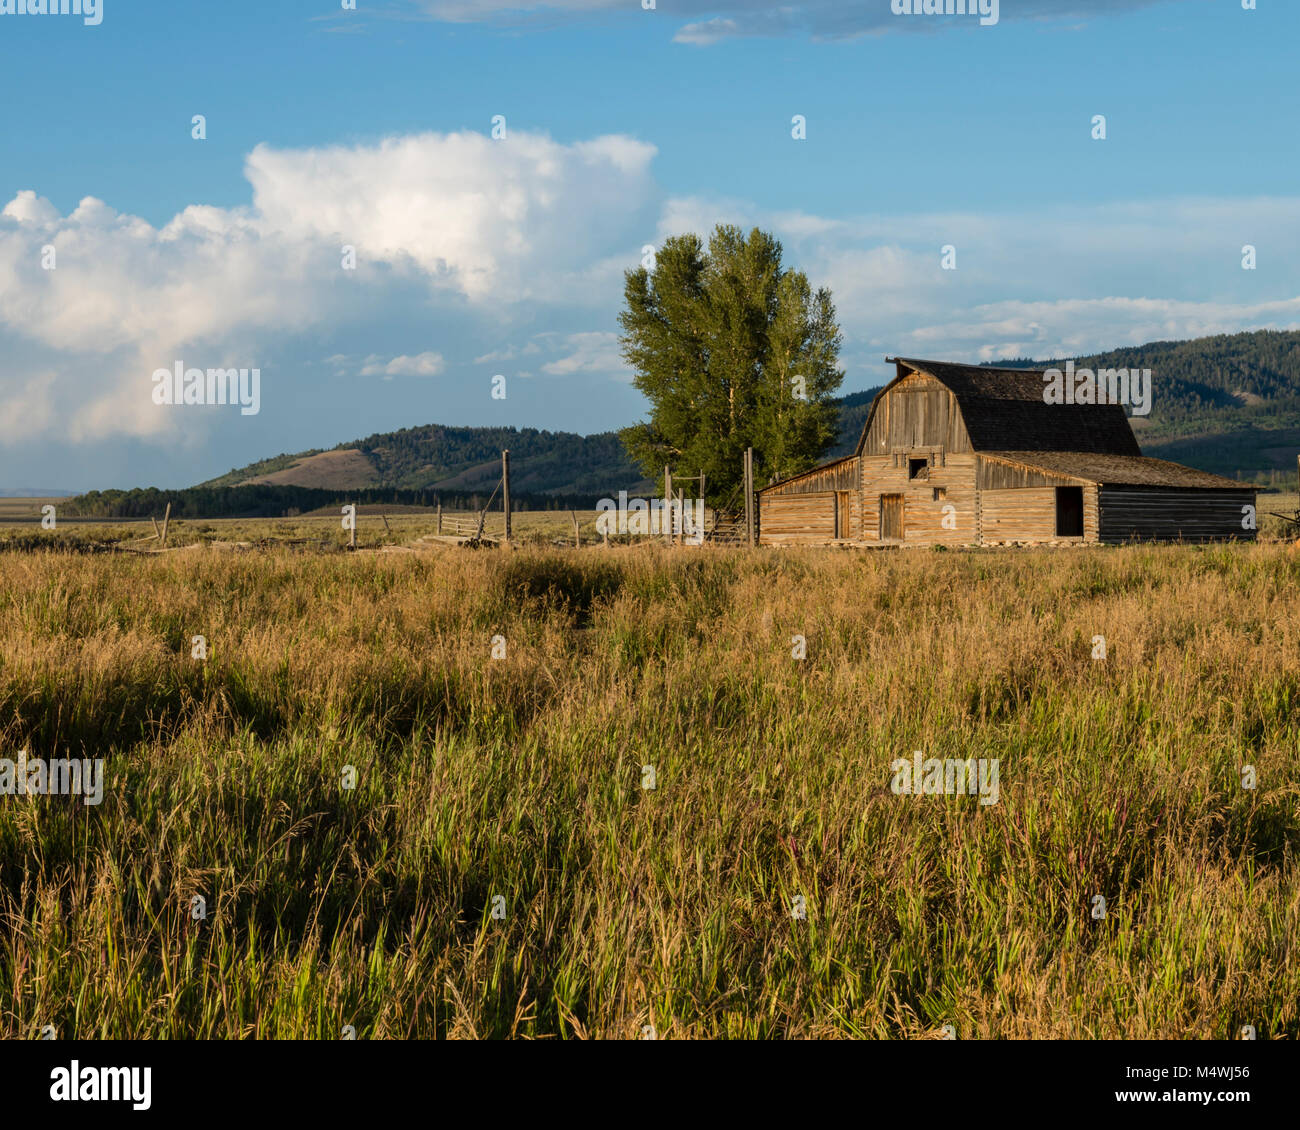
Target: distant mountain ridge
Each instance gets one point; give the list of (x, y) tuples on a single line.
[(1228, 404), (37, 492)]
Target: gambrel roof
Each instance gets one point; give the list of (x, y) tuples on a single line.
[(1004, 409)]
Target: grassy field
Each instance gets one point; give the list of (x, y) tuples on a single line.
[(499, 868)]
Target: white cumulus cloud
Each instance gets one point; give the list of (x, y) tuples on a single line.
[(421, 365), (439, 222), (588, 353)]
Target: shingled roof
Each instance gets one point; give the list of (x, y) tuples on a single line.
[(1004, 409), (1118, 470)]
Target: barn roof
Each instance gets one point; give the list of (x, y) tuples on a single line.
[(1004, 409), (1117, 470)]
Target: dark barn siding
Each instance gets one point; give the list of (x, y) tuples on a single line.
[(1143, 514)]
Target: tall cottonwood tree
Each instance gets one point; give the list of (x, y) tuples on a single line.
[(733, 351)]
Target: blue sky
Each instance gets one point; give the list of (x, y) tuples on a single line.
[(479, 257)]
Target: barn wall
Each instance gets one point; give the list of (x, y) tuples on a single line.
[(1029, 514), (1143, 513), (796, 519), (916, 412), (923, 516)]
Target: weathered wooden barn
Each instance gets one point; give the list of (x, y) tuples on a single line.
[(967, 455)]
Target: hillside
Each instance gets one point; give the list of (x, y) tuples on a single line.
[(456, 459), (1228, 404), (855, 407)]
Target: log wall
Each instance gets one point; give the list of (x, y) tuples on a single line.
[(1028, 514), (796, 519)]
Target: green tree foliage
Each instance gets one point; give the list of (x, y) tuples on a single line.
[(265, 500), (726, 343)]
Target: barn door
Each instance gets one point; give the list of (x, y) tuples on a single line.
[(891, 517), (1069, 512), (843, 522)]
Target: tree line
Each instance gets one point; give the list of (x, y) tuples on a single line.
[(265, 500)]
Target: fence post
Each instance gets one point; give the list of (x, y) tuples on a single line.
[(440, 517), (749, 496), (167, 516), (505, 494), (668, 495), (703, 511)]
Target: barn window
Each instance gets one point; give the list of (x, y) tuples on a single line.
[(1069, 512), (918, 468), (940, 493)]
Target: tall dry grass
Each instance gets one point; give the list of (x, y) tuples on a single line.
[(521, 777)]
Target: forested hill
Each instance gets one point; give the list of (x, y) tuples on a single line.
[(457, 459)]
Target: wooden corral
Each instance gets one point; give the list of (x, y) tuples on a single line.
[(965, 455)]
